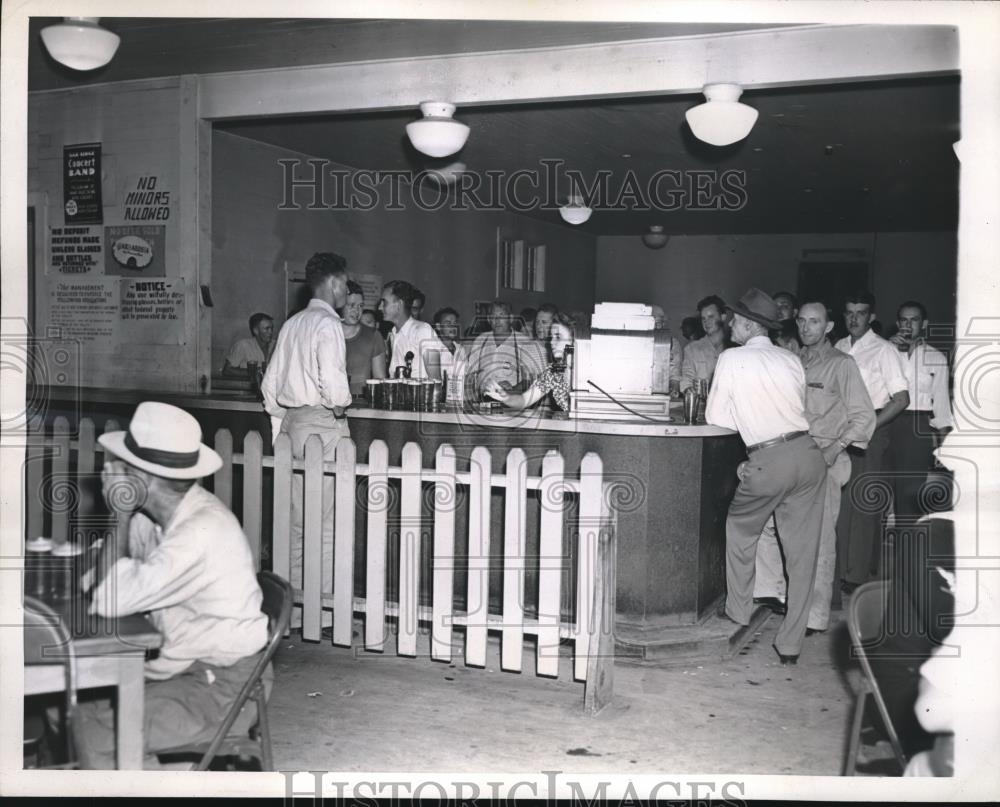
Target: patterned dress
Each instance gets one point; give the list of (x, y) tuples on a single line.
[(553, 381)]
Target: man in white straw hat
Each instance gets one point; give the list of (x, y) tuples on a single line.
[(180, 555)]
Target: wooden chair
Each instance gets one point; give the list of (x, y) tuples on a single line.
[(277, 604), (47, 642), (866, 612)]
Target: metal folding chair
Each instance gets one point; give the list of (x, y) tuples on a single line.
[(47, 642), (866, 613), (277, 604)]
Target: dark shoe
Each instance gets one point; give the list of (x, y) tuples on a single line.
[(776, 605), (848, 587), (787, 661), (814, 631)]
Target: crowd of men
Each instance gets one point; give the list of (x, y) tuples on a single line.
[(834, 433), (831, 428), (824, 425)]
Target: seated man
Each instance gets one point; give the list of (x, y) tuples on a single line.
[(181, 556), (256, 347)]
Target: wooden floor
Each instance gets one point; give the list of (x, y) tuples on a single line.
[(335, 709)]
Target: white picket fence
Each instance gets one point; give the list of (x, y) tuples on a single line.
[(590, 629)]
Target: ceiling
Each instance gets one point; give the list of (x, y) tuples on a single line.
[(834, 158)]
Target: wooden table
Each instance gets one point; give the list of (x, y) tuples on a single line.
[(109, 652)]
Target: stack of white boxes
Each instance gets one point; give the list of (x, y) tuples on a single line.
[(622, 362)]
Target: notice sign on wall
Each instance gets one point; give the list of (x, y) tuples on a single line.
[(85, 311), (75, 250), (152, 312), (372, 287), (82, 184), (135, 250), (146, 200)]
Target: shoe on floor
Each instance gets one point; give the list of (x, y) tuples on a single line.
[(847, 587), (773, 603), (787, 661), (814, 631)]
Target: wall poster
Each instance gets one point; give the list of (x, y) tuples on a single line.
[(135, 250), (75, 250), (82, 184), (152, 312), (85, 311), (372, 285)]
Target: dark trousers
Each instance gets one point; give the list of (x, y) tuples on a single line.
[(787, 479), (918, 618), (911, 457), (862, 509)]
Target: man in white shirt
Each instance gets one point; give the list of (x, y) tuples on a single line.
[(859, 525), (504, 356), (256, 347), (759, 390), (306, 386), (181, 555), (410, 337), (915, 434)]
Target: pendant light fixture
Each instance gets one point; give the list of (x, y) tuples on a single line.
[(575, 211), (722, 119), (437, 134), (80, 43), (655, 238)]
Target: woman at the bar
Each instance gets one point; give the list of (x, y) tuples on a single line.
[(553, 380)]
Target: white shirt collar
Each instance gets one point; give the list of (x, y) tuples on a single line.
[(315, 302)]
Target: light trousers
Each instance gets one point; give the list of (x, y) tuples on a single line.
[(787, 480), (185, 709), (770, 569), (299, 424)]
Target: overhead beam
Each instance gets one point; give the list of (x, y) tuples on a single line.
[(772, 58)]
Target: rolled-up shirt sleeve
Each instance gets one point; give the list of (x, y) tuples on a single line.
[(331, 362), (893, 371), (860, 412)]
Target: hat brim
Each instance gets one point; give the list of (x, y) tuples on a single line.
[(208, 461), (743, 311)]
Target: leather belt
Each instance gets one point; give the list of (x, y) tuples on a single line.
[(781, 438)]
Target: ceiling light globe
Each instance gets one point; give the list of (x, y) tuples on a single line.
[(80, 43), (437, 134), (721, 120)]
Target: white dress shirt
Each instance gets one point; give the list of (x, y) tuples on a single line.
[(245, 350), (758, 390), (308, 366), (418, 337), (926, 372), (197, 580), (880, 364)]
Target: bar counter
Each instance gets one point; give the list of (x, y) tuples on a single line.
[(672, 483)]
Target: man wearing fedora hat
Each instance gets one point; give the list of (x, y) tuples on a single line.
[(180, 555), (759, 390)]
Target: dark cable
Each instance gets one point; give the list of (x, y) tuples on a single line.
[(627, 408)]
